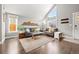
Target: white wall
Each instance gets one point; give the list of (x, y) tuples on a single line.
[(65, 11)]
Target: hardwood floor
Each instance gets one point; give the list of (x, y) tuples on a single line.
[(53, 47), (12, 46), (0, 48)]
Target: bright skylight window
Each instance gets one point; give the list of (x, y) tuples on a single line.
[(53, 12)]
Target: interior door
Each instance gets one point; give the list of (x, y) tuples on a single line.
[(76, 25)]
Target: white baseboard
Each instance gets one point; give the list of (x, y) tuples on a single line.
[(72, 40)]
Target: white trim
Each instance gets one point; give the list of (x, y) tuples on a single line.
[(73, 26), (2, 27)]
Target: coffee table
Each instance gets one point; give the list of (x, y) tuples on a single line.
[(34, 34)]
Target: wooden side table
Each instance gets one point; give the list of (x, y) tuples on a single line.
[(21, 35)]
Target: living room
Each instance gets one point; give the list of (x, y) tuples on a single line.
[(37, 25)]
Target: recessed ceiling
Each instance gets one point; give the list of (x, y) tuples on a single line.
[(32, 11)]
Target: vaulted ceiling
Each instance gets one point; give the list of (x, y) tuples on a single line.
[(32, 11)]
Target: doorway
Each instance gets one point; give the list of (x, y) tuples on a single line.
[(76, 25)]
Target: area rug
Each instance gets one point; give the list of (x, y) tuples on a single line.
[(29, 44)]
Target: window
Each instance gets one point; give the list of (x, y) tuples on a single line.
[(52, 17), (12, 23)]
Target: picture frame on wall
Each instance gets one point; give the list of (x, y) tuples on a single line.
[(65, 21)]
